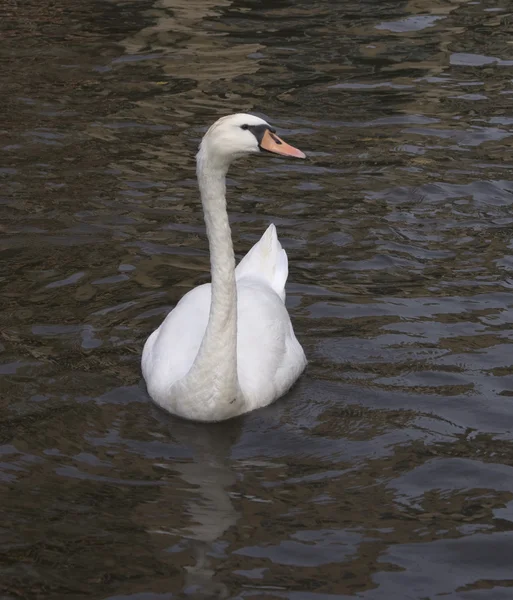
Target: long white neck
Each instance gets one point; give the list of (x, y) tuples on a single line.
[(215, 367)]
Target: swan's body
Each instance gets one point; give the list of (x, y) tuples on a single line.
[(227, 347)]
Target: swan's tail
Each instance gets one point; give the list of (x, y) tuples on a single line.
[(267, 260)]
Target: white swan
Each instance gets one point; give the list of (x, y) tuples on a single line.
[(228, 347)]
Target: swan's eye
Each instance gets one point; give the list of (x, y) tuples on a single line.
[(244, 127)]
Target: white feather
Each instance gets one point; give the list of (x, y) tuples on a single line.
[(227, 347), (267, 261)]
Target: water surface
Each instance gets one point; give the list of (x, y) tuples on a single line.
[(388, 471)]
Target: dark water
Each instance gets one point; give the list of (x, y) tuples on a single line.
[(388, 472)]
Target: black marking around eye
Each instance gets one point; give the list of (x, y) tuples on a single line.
[(244, 127), (259, 130)]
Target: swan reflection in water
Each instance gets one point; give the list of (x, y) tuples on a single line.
[(203, 505)]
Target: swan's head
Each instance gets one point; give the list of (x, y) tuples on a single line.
[(236, 135)]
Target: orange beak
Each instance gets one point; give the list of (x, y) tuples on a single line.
[(272, 143)]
